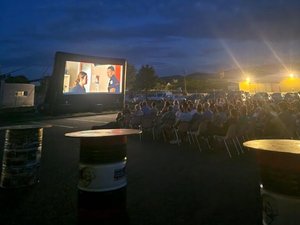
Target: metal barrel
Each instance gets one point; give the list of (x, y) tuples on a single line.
[(280, 172), (102, 180), (280, 187), (21, 157), (278, 209), (278, 161)]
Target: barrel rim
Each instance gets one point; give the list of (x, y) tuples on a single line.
[(102, 133), (25, 126), (274, 145)]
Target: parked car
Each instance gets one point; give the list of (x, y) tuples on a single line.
[(179, 98), (261, 96), (277, 96), (138, 98), (291, 96), (215, 95), (156, 97), (194, 97), (241, 95)]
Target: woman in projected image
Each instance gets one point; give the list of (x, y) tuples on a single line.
[(80, 82), (113, 84)]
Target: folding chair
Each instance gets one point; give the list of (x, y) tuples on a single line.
[(166, 129), (200, 133), (135, 121), (181, 132), (231, 136), (147, 124)]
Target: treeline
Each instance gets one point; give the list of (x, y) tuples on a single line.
[(146, 79)]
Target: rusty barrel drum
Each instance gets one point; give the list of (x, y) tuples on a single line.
[(21, 155), (279, 165), (102, 180)]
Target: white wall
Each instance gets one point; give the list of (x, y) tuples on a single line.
[(16, 95)]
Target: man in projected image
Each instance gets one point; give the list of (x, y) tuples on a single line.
[(79, 83), (113, 84)]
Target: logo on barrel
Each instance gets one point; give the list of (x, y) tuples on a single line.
[(119, 173), (270, 209), (86, 176)]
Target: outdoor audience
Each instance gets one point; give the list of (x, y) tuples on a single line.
[(253, 118)]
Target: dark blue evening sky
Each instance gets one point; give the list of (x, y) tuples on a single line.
[(173, 36)]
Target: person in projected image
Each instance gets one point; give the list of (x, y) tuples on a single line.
[(79, 84), (113, 84)]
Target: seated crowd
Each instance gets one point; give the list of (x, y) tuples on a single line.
[(253, 119)]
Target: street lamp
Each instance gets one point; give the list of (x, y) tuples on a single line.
[(248, 80)]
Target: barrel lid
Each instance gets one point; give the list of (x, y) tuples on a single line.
[(275, 145), (25, 126), (102, 133)]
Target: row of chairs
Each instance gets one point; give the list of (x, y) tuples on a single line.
[(195, 133)]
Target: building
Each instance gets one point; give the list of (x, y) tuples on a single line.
[(16, 95), (267, 78)]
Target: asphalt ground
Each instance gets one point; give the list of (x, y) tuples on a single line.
[(167, 184)]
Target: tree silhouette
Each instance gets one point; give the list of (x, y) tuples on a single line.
[(146, 78), (17, 79)]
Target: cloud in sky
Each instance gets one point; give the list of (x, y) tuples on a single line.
[(172, 36)]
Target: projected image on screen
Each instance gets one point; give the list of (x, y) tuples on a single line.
[(82, 78)]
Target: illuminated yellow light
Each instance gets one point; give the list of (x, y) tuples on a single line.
[(248, 79), (290, 84), (291, 75)]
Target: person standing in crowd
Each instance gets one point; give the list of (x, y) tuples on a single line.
[(165, 126), (145, 108), (79, 84), (136, 116), (165, 107), (113, 84), (153, 109)]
